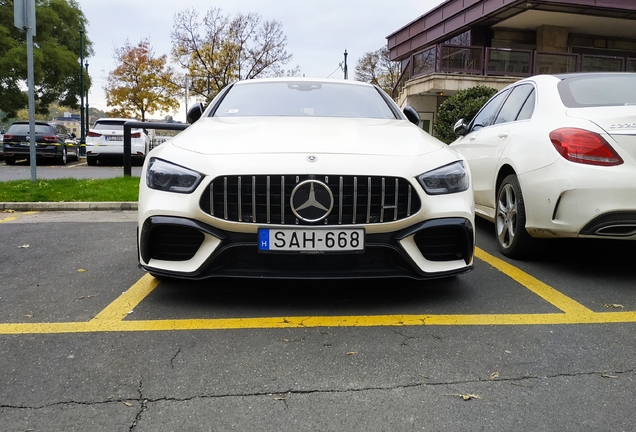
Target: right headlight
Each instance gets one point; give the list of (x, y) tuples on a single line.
[(451, 178), (166, 176)]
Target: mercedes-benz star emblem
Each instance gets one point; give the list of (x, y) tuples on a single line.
[(311, 158), (311, 201)]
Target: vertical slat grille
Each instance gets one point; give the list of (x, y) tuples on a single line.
[(266, 199)]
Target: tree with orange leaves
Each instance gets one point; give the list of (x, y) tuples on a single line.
[(141, 83)]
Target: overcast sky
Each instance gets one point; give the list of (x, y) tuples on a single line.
[(318, 31)]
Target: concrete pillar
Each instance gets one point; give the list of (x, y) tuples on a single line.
[(552, 39)]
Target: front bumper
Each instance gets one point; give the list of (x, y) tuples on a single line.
[(185, 248)]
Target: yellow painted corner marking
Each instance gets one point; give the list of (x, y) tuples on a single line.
[(15, 216), (121, 307), (546, 292)]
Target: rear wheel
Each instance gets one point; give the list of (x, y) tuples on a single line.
[(62, 159), (510, 221)]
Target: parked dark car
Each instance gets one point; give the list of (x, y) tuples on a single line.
[(52, 141)]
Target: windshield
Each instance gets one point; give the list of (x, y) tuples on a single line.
[(304, 98), (598, 90)]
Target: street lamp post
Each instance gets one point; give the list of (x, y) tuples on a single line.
[(87, 112), (82, 142)]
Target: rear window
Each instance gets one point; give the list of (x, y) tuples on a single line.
[(598, 90), (304, 98), (23, 129), (109, 125)]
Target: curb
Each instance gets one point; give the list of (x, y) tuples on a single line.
[(67, 206)]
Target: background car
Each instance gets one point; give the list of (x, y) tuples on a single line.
[(51, 142), (554, 156), (303, 178), (105, 141)]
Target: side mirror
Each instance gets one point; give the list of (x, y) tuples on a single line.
[(195, 112), (461, 127), (412, 115)]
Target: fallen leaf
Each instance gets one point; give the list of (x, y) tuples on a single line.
[(24, 246), (127, 404), (352, 353), (613, 305), (81, 270), (279, 398), (29, 316), (467, 396), (494, 375), (608, 376), (423, 376)]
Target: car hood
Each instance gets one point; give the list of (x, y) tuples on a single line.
[(319, 135)]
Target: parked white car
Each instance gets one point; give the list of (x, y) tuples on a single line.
[(105, 141), (304, 178), (554, 156)]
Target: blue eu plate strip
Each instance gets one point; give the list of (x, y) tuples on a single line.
[(263, 239)]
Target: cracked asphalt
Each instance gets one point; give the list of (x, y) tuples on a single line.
[(306, 356)]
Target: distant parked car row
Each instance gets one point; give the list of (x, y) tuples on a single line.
[(104, 142)]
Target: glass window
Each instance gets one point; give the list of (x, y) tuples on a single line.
[(487, 115), (23, 129), (513, 104), (304, 98), (528, 107), (109, 125), (598, 89)]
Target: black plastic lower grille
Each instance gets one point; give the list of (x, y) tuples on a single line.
[(266, 199), (445, 243), (173, 242)]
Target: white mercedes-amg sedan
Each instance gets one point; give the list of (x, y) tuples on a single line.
[(554, 156), (304, 178)]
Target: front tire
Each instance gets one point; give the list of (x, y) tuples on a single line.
[(510, 221), (91, 161), (9, 160)]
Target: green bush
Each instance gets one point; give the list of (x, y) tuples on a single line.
[(463, 104)]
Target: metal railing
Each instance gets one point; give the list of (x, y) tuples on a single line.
[(144, 125), (476, 60)]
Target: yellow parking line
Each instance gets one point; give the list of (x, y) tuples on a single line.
[(111, 319), (546, 292), (15, 216), (125, 303), (94, 326)]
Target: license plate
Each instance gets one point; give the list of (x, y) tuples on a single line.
[(114, 138), (25, 143), (310, 240)]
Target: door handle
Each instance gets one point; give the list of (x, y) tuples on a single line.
[(503, 134)]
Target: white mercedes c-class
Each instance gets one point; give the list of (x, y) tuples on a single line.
[(554, 156), (305, 178)]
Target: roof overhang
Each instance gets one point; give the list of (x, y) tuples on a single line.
[(610, 18)]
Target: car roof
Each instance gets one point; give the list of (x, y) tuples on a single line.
[(303, 79)]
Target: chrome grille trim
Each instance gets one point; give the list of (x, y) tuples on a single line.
[(265, 199)]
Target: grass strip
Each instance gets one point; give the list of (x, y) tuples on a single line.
[(71, 190)]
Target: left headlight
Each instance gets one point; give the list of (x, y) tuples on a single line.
[(166, 176), (451, 178)]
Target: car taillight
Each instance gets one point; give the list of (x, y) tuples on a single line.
[(8, 137), (136, 135), (49, 138), (94, 134), (583, 146)]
